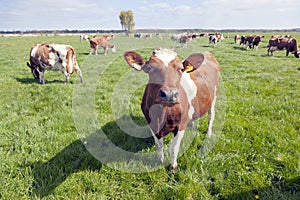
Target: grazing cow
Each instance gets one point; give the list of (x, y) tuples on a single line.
[(184, 39), (53, 57), (177, 93), (101, 42), (105, 45), (215, 38), (243, 40), (176, 37), (281, 43), (84, 37), (237, 39), (253, 40)]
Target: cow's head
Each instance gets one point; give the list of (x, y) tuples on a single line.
[(297, 53), (165, 70)]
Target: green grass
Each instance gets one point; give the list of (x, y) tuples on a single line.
[(257, 151)]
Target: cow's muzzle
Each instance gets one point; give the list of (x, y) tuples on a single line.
[(168, 96)]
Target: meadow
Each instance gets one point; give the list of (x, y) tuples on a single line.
[(81, 141)]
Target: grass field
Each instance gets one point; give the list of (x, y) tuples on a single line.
[(59, 141)]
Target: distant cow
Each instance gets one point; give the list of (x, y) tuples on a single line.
[(53, 57), (253, 41), (237, 39), (281, 43), (243, 40), (184, 39), (101, 42), (215, 38), (105, 45), (84, 37), (177, 93)]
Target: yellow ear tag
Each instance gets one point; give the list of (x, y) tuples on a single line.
[(189, 68)]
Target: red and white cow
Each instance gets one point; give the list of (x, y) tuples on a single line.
[(53, 57), (101, 42), (237, 39), (177, 93)]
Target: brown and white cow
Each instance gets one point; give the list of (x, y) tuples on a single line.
[(101, 42), (177, 93), (237, 39), (53, 57), (281, 43), (215, 38)]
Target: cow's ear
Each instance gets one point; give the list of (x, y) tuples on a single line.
[(193, 62), (134, 60)]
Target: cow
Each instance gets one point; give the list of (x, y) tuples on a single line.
[(281, 43), (101, 42), (177, 93), (84, 37), (184, 39), (243, 40), (176, 37), (53, 57), (105, 45), (215, 38), (237, 39), (253, 40)]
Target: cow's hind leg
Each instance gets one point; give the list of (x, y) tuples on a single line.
[(211, 114), (174, 149), (78, 71)]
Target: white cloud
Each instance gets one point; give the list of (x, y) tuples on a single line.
[(91, 14)]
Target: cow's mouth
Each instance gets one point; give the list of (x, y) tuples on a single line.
[(169, 103)]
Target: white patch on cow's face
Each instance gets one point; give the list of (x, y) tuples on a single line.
[(165, 55), (137, 66), (190, 89)]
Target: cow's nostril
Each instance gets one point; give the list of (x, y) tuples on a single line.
[(162, 94), (175, 93)]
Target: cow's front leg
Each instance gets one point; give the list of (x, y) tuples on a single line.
[(174, 149), (159, 143)]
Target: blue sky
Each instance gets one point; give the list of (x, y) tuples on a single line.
[(98, 14)]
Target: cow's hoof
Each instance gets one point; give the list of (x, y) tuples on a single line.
[(174, 168)]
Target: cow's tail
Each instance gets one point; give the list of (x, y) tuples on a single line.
[(75, 65), (28, 65)]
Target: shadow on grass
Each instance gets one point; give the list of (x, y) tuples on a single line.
[(240, 48), (49, 175), (280, 189), (32, 81), (77, 157)]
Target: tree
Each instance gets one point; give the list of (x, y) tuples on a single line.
[(126, 20)]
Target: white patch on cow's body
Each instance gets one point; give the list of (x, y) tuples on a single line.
[(62, 53), (190, 89), (174, 148), (34, 49), (165, 55)]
